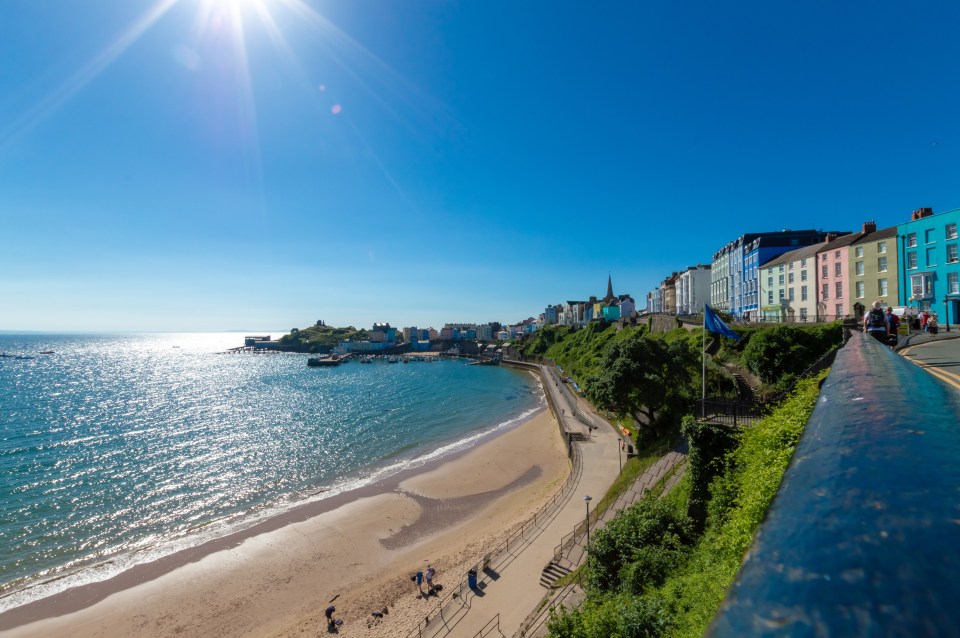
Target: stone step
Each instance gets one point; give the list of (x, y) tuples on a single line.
[(552, 573)]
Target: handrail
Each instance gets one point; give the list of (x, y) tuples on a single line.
[(862, 535), (535, 620), (492, 624)]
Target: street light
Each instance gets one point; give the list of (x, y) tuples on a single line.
[(587, 499)]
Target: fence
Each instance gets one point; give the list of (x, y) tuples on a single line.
[(730, 411)]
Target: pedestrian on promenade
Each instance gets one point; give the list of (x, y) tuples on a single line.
[(875, 323)]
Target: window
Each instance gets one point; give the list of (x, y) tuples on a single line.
[(781, 267), (790, 278), (911, 260), (951, 253), (921, 286), (791, 295), (803, 275), (860, 289), (882, 264), (803, 262), (769, 296), (912, 240), (928, 236), (782, 293), (953, 283), (859, 250), (825, 272), (803, 293), (882, 287), (770, 282), (803, 314), (881, 247), (859, 269), (790, 267), (838, 269), (931, 256), (837, 254), (825, 293), (781, 280), (839, 310), (951, 231), (839, 290)]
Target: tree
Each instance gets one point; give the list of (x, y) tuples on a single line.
[(643, 377)]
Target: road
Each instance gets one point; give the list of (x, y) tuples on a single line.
[(939, 357)]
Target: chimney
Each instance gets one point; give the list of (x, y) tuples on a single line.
[(920, 213), (831, 236), (869, 227)]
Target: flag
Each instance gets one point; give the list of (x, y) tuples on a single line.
[(713, 323)]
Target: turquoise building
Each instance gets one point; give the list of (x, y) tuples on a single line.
[(929, 267)]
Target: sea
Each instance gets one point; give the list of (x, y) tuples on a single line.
[(120, 449)]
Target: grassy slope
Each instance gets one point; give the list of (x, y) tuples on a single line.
[(695, 593)]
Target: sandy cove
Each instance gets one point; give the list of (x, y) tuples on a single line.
[(362, 553)]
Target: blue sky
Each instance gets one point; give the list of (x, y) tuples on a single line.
[(241, 164)]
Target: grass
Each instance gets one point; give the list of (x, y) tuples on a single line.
[(696, 592)]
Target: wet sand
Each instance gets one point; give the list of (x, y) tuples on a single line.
[(357, 549)]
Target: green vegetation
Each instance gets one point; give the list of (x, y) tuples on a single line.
[(650, 574), (319, 338), (577, 351), (778, 354), (651, 379)]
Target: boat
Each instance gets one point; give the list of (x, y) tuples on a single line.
[(46, 352)]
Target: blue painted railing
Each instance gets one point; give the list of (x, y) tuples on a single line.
[(863, 538)]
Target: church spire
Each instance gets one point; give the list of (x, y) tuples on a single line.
[(609, 287)]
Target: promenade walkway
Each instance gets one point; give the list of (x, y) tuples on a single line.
[(509, 589)]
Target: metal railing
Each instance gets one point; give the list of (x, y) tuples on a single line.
[(554, 600), (493, 625), (862, 536), (733, 412), (579, 532)]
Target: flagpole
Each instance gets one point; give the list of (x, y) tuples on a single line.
[(703, 357)]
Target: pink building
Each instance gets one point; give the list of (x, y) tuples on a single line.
[(833, 277)]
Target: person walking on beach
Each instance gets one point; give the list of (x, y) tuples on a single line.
[(430, 574), (419, 578), (331, 623)]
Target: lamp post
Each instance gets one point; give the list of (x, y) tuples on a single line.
[(587, 499), (620, 454)]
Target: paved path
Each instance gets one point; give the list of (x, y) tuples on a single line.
[(574, 553), (513, 589)]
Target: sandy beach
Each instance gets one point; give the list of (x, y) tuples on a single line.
[(358, 551)]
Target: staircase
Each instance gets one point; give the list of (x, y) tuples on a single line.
[(744, 391), (552, 573)]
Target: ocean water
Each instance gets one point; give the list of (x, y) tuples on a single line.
[(118, 449)]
